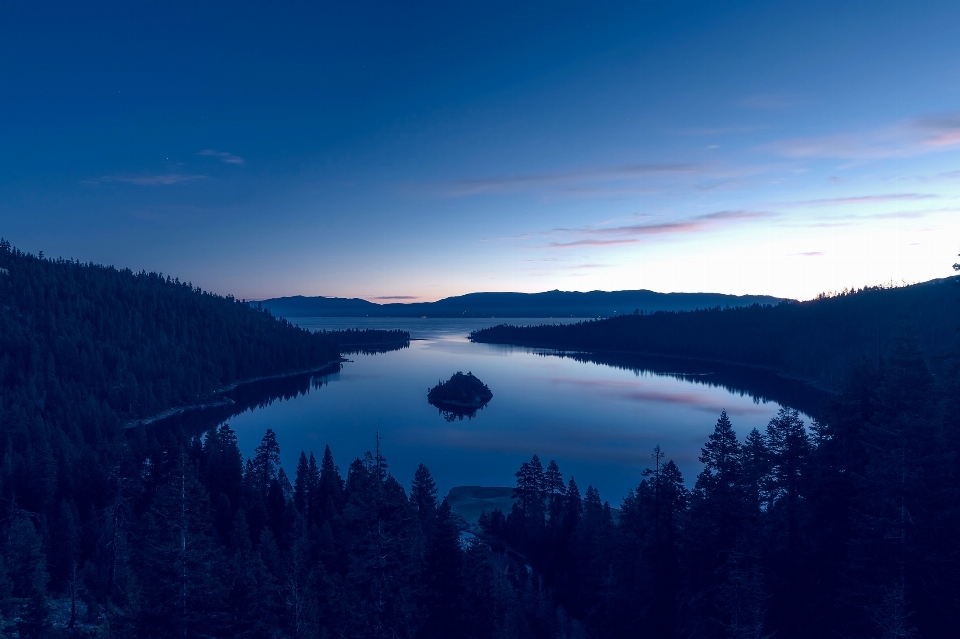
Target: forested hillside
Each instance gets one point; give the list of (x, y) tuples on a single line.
[(816, 340), (838, 528), (85, 348), (843, 527)]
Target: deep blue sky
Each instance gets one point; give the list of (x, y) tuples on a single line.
[(413, 149)]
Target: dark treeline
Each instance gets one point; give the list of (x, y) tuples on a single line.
[(132, 343), (815, 340), (85, 349), (196, 542), (843, 527)]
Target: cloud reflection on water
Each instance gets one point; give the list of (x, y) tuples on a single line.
[(598, 419), (642, 391)]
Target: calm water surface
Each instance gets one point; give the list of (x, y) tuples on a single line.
[(598, 421)]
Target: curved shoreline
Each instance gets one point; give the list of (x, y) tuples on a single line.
[(771, 369), (226, 401)]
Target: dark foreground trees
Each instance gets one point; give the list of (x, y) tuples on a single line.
[(842, 527)]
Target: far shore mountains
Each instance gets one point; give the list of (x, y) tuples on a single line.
[(548, 304)]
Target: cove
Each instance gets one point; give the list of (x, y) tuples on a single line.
[(598, 416)]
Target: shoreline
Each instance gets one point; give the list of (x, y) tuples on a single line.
[(561, 351), (226, 401)]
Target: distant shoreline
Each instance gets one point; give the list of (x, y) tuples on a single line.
[(226, 401)]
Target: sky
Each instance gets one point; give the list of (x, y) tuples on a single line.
[(416, 150)]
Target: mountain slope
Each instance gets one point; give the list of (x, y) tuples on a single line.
[(547, 304), (85, 348)]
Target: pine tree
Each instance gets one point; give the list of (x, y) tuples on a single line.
[(178, 559), (266, 460), (223, 465), (715, 525), (574, 508), (315, 499), (443, 579), (904, 563), (553, 480), (331, 486), (555, 490), (423, 497), (789, 456), (756, 468), (301, 488), (528, 514)]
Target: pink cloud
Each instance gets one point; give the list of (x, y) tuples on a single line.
[(869, 199), (907, 138), (631, 234)]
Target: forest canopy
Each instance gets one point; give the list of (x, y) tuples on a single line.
[(843, 526)]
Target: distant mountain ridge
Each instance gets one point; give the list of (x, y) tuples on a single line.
[(547, 304)]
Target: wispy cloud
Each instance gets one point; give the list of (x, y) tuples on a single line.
[(908, 215), (811, 254), (593, 242), (869, 199), (722, 130), (853, 220), (942, 129), (155, 179), (229, 158), (907, 138), (569, 180), (396, 297), (635, 233)]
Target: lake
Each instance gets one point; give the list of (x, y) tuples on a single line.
[(599, 417)]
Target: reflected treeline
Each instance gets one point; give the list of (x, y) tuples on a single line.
[(374, 349), (368, 341), (258, 394), (760, 384), (454, 413)]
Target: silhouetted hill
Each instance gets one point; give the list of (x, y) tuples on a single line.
[(548, 304), (816, 340)]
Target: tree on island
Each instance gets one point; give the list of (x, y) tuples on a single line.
[(461, 395)]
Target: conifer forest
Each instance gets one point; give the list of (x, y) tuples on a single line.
[(115, 527), (500, 319)]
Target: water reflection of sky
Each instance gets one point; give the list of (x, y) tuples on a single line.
[(599, 422)]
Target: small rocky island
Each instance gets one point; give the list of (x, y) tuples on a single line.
[(460, 396)]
